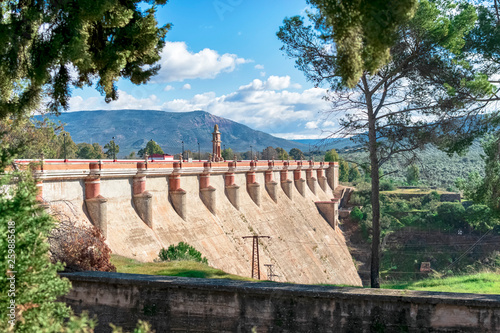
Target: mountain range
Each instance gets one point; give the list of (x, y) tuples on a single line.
[(132, 129)]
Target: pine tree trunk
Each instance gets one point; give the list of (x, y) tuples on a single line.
[(372, 143)]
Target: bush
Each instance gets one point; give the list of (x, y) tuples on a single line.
[(433, 196), (181, 251), (452, 214), (80, 247), (356, 214), (387, 186), (480, 217)]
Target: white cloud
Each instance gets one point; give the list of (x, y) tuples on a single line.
[(187, 86), (262, 74), (278, 82), (272, 83), (259, 66), (312, 124), (168, 88), (125, 101), (178, 63)]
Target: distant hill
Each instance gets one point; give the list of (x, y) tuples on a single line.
[(134, 128), (327, 144)]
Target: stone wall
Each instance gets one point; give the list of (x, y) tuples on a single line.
[(173, 304)]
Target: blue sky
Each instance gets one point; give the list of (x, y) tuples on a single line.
[(223, 57)]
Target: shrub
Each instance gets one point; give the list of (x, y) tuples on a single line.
[(356, 214), (386, 186), (80, 247), (433, 196), (452, 214), (480, 217), (181, 251)]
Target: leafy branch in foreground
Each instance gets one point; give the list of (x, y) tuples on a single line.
[(46, 47)]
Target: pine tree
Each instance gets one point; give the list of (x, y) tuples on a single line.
[(30, 279)]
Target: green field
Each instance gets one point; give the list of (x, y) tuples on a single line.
[(481, 283), (172, 268)]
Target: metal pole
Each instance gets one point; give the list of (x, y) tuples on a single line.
[(114, 150), (65, 157), (199, 152), (182, 157)]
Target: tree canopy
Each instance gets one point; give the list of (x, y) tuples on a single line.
[(269, 153), (363, 32), (112, 149), (296, 154), (282, 154), (332, 156), (151, 148), (47, 47), (227, 154), (90, 151)]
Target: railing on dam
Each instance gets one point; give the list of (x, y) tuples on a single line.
[(52, 168)]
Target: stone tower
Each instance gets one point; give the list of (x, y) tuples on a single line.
[(216, 152)]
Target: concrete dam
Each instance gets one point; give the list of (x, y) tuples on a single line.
[(141, 207)]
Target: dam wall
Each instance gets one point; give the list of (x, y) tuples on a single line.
[(142, 207)]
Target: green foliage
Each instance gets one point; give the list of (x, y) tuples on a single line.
[(227, 154), (332, 156), (356, 214), (343, 171), (36, 281), (452, 214), (433, 196), (485, 190), (387, 185), (354, 173), (151, 148), (112, 149), (43, 42), (181, 251), (282, 154), (481, 218), (296, 154), (412, 175), (90, 151), (363, 32)]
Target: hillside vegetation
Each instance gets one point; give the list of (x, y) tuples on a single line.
[(436, 167), (456, 238)]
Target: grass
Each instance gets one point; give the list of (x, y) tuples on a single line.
[(172, 268), (481, 283), (418, 190)]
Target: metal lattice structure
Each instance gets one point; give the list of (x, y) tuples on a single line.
[(255, 256)]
